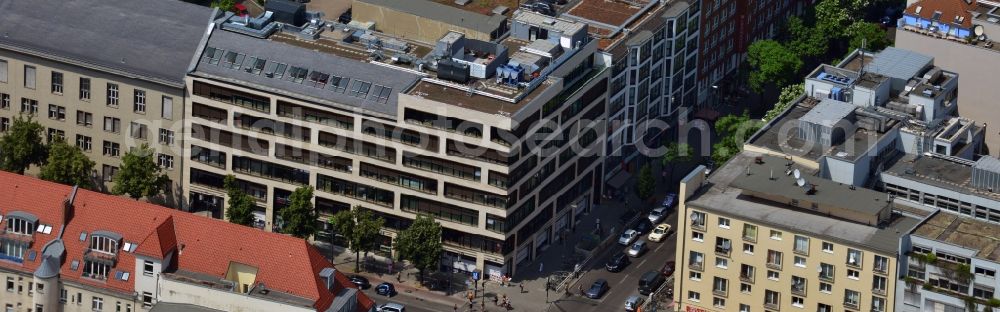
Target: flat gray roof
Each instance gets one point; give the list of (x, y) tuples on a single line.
[(566, 26), (313, 61), (443, 13), (828, 113), (898, 63), (724, 196), (179, 307), (964, 232), (154, 40)]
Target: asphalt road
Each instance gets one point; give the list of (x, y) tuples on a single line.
[(412, 301), (624, 283)]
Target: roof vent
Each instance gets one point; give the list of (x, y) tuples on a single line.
[(262, 289), (328, 275)]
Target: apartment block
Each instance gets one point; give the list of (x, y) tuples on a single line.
[(401, 128), (651, 48), (105, 91), (958, 35), (758, 234), (69, 249)]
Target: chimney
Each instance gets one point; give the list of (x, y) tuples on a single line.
[(329, 275), (68, 206)]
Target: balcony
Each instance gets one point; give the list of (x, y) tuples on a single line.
[(698, 225), (799, 290), (881, 268), (721, 251), (747, 278), (774, 266), (851, 305), (826, 278), (749, 239), (17, 238), (101, 257), (877, 291), (772, 306), (720, 293), (697, 266)]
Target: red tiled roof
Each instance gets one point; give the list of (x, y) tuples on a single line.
[(207, 246), (950, 9)]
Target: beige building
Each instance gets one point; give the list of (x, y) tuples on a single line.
[(400, 141), (86, 81), (750, 239), (66, 249), (427, 21)]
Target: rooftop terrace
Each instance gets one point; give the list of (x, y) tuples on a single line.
[(964, 232)]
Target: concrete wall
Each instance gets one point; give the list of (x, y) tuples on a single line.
[(174, 291), (409, 26), (976, 66), (21, 299)]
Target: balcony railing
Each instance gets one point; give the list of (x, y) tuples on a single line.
[(878, 291), (826, 278), (883, 269), (851, 305), (722, 251), (100, 257), (698, 266), (746, 278), (799, 290), (720, 293), (698, 226), (774, 266), (749, 239), (20, 239), (771, 306)]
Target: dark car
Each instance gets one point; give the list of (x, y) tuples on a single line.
[(643, 227), (345, 18), (360, 281), (617, 262), (597, 289), (385, 289), (649, 282), (668, 269)]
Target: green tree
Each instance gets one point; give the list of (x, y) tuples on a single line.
[(224, 5), (241, 205), (139, 175), (771, 62), (676, 153), (733, 131), (420, 244), (832, 18), (67, 165), (22, 145), (788, 94), (805, 41), (299, 217), (646, 184), (871, 35), (361, 230)]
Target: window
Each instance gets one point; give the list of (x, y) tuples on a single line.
[(750, 232), (166, 136), (147, 268), (167, 110), (852, 298), (85, 88), (773, 275), (4, 124), (57, 82), (84, 118), (720, 285), (112, 124), (882, 264), (147, 299), (776, 235), (826, 271), (854, 257), (109, 172), (721, 262), (723, 246), (360, 88), (112, 149), (801, 245), (774, 259), (83, 142), (10, 284), (97, 304), (879, 284), (771, 298), (104, 244), (62, 295), (744, 308), (39, 307), (29, 77), (54, 134), (853, 274), (827, 247), (4, 101), (694, 296), (139, 105), (695, 276), (698, 219), (746, 288), (982, 292), (165, 161), (878, 304), (57, 112), (800, 261), (979, 270), (748, 248), (826, 287), (3, 71), (724, 223), (112, 95), (138, 131), (798, 302), (698, 236), (718, 302), (29, 106)]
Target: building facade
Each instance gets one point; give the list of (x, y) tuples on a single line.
[(750, 240), (97, 90), (400, 141), (69, 249)]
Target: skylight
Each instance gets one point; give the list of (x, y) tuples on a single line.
[(233, 60), (339, 84), (275, 70), (297, 74), (360, 88), (380, 94), (255, 65), (75, 265), (83, 236), (318, 79)]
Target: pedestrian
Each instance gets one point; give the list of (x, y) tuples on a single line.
[(456, 308), (496, 301), (522, 287), (541, 266), (470, 305), (580, 288), (470, 295), (399, 277)]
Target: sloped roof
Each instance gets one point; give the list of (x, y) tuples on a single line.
[(950, 11), (285, 264)]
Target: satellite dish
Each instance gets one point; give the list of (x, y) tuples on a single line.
[(800, 182), (978, 30), (797, 174), (694, 217)]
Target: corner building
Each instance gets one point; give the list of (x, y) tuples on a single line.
[(400, 140)]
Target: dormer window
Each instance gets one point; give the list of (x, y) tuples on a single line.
[(17, 235), (21, 223), (102, 255), (103, 244)]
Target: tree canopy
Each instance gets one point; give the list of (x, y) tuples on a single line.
[(676, 153), (871, 35), (772, 63), (647, 183), (832, 18), (22, 145), (67, 165), (139, 175), (788, 94), (299, 217), (733, 131), (805, 41), (241, 205), (361, 230), (420, 244)]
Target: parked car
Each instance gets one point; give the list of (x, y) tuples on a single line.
[(659, 233), (392, 307), (637, 249), (360, 281), (656, 215), (345, 18), (669, 200), (597, 289), (628, 237), (633, 302), (668, 269), (617, 263), (650, 281), (385, 289), (644, 227)]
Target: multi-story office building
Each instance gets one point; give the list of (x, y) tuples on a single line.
[(652, 50), (950, 262), (753, 237), (728, 27), (947, 31), (69, 249), (461, 143), (88, 82)]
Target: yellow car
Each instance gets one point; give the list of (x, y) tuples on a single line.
[(660, 232)]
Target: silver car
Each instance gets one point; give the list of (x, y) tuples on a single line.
[(633, 302), (637, 248), (392, 307), (628, 237), (656, 215)]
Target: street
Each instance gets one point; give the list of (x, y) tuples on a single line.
[(413, 302), (624, 283)]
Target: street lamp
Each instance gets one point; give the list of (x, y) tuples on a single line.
[(715, 96)]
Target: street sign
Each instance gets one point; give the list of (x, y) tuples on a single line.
[(475, 275)]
